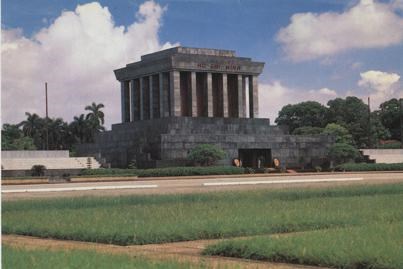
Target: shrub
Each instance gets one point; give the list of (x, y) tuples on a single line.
[(341, 153), (370, 167), (191, 171), (38, 170), (206, 154), (307, 130)]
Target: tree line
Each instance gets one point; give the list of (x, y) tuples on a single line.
[(348, 119), (37, 133), (367, 129)]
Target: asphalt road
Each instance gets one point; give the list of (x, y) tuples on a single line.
[(208, 184)]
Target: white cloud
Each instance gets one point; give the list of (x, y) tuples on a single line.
[(76, 55), (381, 86), (273, 96), (368, 24), (324, 92), (381, 81)]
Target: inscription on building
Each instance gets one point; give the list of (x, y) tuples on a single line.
[(215, 66)]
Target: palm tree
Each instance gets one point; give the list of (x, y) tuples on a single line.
[(56, 129), (31, 125), (96, 116), (80, 129), (34, 127)]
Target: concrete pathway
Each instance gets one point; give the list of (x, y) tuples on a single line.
[(191, 185)]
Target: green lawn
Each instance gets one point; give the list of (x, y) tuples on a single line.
[(167, 218), (375, 246), (20, 258)]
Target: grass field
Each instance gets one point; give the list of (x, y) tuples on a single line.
[(19, 258), (375, 246), (167, 218)]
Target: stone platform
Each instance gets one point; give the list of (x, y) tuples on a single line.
[(167, 141)]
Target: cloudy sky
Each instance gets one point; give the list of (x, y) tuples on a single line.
[(313, 49)]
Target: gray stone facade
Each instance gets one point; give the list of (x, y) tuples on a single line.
[(166, 142), (176, 99)]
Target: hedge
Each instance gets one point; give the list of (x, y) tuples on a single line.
[(191, 171), (109, 172), (395, 145), (370, 167), (22, 178)]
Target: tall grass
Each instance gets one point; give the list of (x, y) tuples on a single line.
[(20, 258), (154, 219), (376, 246)]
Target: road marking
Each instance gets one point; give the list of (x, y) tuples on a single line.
[(81, 188), (284, 181)]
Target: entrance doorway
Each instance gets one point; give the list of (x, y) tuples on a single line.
[(255, 157)]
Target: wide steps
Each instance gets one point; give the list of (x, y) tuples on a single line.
[(50, 163)]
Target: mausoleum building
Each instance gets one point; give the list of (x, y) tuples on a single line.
[(176, 99), (189, 82)]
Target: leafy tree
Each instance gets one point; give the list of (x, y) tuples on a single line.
[(12, 138), (206, 154), (303, 114), (307, 130), (390, 117), (342, 153), (22, 143), (342, 134), (9, 133), (352, 114), (378, 131)]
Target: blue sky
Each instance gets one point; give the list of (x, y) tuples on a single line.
[(333, 48)]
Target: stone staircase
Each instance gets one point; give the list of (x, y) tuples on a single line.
[(383, 155)]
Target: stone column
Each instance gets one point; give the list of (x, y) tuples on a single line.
[(122, 101), (161, 90), (240, 97), (209, 95), (141, 98), (253, 97), (132, 101), (193, 92), (243, 96), (225, 95), (175, 94), (150, 88)]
